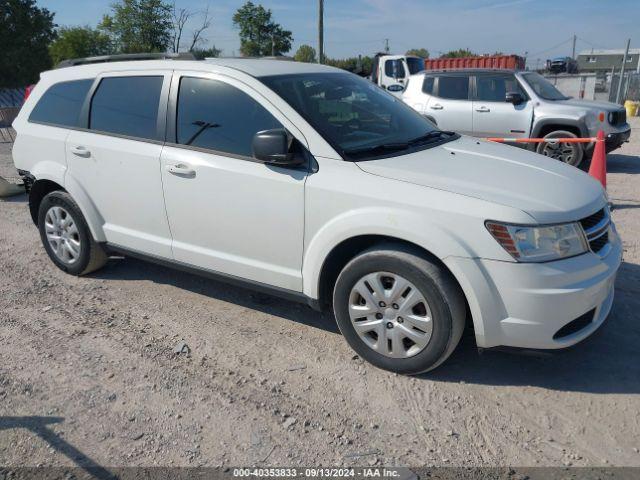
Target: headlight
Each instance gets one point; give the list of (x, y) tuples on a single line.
[(540, 244)]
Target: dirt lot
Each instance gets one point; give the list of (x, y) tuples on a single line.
[(88, 373)]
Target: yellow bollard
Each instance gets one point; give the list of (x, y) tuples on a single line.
[(631, 107)]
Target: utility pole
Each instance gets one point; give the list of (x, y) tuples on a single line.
[(624, 64), (386, 45), (320, 31), (273, 45), (573, 54)]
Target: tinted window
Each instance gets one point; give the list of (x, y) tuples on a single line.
[(61, 104), (127, 106), (217, 116), (415, 65), (427, 86), (394, 69), (494, 88), (453, 87), (352, 113)]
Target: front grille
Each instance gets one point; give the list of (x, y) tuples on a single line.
[(596, 229), (576, 325), (619, 117)]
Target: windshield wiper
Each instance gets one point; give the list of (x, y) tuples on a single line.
[(428, 136), (382, 148)]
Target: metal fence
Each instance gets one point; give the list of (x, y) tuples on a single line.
[(630, 87)]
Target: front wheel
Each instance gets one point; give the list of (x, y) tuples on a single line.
[(569, 153), (398, 310)]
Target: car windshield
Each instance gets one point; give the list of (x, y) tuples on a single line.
[(358, 118), (543, 87), (416, 65)]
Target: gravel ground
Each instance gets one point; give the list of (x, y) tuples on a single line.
[(88, 373)]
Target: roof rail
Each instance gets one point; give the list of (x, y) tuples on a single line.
[(125, 57)]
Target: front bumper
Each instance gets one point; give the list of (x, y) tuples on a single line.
[(615, 140), (526, 305)]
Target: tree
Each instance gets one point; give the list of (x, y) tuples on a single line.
[(75, 42), (461, 52), (180, 19), (259, 35), (139, 26), (202, 53), (306, 54), (359, 65), (25, 34), (418, 52)]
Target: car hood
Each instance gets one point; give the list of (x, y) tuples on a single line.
[(589, 104), (546, 189)]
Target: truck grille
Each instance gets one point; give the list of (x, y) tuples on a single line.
[(596, 228), (619, 117)]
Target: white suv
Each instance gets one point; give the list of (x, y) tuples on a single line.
[(314, 184)]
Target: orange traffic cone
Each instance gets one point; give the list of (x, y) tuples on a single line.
[(598, 168)]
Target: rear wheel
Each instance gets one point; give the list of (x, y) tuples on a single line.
[(569, 153), (398, 310), (66, 236)]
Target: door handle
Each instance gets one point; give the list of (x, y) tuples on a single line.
[(181, 170), (437, 106), (483, 109), (80, 151)]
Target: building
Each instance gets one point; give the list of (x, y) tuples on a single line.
[(605, 60)]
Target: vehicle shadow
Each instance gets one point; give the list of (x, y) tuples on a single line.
[(134, 269), (604, 363), (618, 163), (40, 427), (22, 198)]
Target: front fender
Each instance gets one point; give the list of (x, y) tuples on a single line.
[(389, 222)]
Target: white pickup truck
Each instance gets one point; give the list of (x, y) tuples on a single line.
[(392, 72)]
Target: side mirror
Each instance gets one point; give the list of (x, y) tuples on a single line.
[(274, 147), (514, 97)]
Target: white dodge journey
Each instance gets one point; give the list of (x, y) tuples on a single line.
[(311, 183)]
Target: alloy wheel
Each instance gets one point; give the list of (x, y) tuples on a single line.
[(62, 235)]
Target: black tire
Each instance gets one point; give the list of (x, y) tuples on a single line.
[(577, 149), (441, 291), (92, 256)]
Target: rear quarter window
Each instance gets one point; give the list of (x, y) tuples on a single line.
[(427, 86), (61, 103)]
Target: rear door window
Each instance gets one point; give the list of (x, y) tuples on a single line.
[(127, 106), (61, 103), (217, 116), (453, 87)]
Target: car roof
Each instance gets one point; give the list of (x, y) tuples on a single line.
[(255, 67)]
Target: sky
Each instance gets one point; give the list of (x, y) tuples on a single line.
[(540, 29)]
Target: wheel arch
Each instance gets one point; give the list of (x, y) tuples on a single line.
[(46, 183), (349, 248), (545, 127)]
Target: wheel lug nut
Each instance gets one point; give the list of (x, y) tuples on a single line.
[(379, 316), (395, 306), (400, 319), (389, 325), (382, 304)]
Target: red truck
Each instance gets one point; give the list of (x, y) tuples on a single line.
[(511, 62)]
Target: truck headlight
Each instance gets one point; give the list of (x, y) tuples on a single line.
[(540, 244)]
